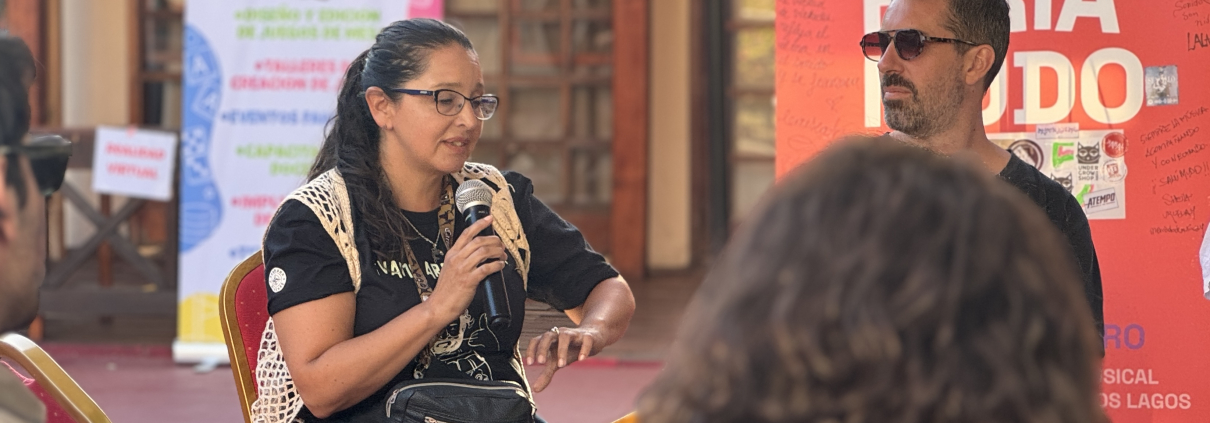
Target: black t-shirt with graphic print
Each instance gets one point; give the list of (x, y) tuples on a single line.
[(563, 271)]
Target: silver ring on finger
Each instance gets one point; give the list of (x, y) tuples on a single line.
[(555, 330)]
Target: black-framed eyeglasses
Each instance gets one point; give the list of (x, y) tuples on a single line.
[(908, 42), (450, 102), (48, 155)]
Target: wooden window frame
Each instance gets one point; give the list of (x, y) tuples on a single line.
[(618, 229), (715, 98), (158, 220)]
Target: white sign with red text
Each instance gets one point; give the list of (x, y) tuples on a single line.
[(134, 162)]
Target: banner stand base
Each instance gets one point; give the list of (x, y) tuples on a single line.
[(199, 352)]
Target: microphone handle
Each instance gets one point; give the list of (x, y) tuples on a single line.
[(499, 312)]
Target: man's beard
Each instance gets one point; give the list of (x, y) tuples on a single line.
[(921, 118)]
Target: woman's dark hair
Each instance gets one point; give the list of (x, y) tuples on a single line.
[(882, 283), (399, 54)]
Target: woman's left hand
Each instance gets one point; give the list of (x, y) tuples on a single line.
[(551, 348)]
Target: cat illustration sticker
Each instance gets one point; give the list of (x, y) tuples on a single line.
[(1065, 181), (1088, 156)]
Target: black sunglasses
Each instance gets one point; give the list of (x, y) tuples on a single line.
[(48, 155), (908, 42)]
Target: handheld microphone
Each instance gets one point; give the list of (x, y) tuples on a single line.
[(474, 199)]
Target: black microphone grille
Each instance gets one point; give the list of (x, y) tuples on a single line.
[(473, 192)]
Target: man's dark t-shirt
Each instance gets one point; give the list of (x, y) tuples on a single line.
[(1068, 216), (563, 271)]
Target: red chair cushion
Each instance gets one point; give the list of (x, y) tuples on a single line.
[(252, 313), (54, 412)]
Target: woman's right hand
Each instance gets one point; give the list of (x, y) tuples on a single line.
[(465, 268)]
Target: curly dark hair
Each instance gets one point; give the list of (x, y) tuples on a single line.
[(883, 283), (399, 54)]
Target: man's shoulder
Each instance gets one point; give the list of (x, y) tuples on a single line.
[(1029, 178), (1049, 194)]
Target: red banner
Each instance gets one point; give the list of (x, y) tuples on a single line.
[(1109, 98)]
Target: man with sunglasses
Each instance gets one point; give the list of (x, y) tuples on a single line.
[(936, 59), (29, 170)]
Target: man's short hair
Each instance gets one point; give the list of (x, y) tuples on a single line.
[(981, 22), (16, 70)]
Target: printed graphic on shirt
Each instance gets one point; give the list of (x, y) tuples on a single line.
[(403, 271), (455, 347), (277, 279)]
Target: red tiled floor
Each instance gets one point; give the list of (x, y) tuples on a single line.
[(593, 393), (135, 385), (151, 388)]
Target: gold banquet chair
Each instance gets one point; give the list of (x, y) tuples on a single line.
[(243, 312), (629, 418), (51, 377)]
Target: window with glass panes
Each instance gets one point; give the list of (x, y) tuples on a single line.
[(551, 63), (749, 101), (160, 33)]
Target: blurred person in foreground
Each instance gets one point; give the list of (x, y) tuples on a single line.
[(936, 59), (881, 283), (22, 223)]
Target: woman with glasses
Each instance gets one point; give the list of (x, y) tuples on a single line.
[(373, 276)]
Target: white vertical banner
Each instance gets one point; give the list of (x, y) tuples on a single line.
[(261, 79)]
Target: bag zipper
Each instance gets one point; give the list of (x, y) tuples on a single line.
[(391, 400)]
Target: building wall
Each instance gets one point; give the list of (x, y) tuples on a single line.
[(96, 84), (96, 62), (668, 226)]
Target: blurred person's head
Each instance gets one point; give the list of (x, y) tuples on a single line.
[(947, 72), (880, 283), (431, 129), (22, 207)]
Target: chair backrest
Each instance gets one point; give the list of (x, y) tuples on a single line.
[(50, 378), (244, 311)]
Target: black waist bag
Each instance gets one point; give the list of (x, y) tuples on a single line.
[(458, 401)]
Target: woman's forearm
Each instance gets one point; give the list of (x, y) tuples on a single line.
[(607, 311), (351, 370)]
